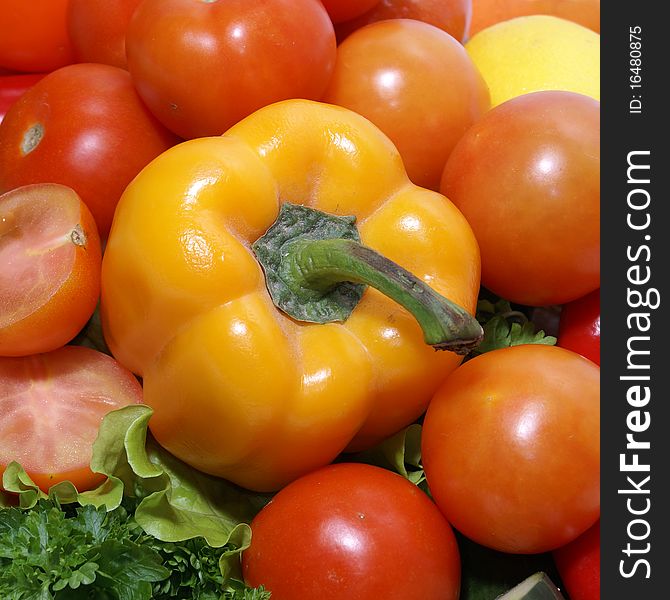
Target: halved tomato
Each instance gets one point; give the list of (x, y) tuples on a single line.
[(51, 406), (50, 276)]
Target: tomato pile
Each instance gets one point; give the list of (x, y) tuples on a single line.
[(306, 243)]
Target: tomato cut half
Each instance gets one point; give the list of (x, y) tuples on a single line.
[(50, 276), (51, 406)]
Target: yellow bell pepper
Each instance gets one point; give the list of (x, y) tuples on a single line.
[(258, 393)]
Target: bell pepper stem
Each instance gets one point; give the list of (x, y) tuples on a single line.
[(321, 264)]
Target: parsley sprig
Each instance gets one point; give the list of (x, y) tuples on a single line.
[(82, 553), (504, 326)]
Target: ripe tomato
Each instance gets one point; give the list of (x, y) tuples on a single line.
[(417, 84), (50, 279), (202, 66), (578, 564), (52, 405), (34, 35), (489, 12), (511, 448), (343, 10), (85, 127), (451, 16), (579, 327), (12, 87), (97, 30), (352, 531), (527, 178)]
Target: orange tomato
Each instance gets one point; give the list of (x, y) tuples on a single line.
[(50, 276), (34, 35), (97, 30), (489, 12), (417, 84), (451, 16), (511, 448)]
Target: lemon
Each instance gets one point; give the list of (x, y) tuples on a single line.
[(534, 53)]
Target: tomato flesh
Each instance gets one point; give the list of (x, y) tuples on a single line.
[(51, 257), (51, 406)]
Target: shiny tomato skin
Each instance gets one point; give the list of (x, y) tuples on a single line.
[(51, 257), (52, 405), (33, 36), (579, 326), (344, 10), (12, 87), (203, 66), (452, 16), (511, 448), (83, 126), (417, 84), (97, 30), (352, 531), (527, 178), (578, 564)]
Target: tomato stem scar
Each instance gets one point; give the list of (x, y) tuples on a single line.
[(31, 138), (78, 236)]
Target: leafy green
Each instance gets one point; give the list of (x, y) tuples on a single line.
[(51, 553), (46, 555), (503, 327), (400, 453), (175, 503), (244, 593)]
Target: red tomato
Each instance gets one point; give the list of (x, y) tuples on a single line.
[(527, 178), (578, 564), (343, 10), (12, 87), (453, 16), (52, 405), (511, 448), (352, 531), (97, 30), (202, 66), (579, 328), (489, 12), (50, 280), (34, 35), (85, 127), (417, 84)]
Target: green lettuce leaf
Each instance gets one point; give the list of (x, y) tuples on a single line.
[(400, 453), (175, 502)]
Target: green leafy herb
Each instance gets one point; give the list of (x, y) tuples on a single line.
[(244, 593), (173, 502), (94, 554), (503, 327), (50, 553)]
